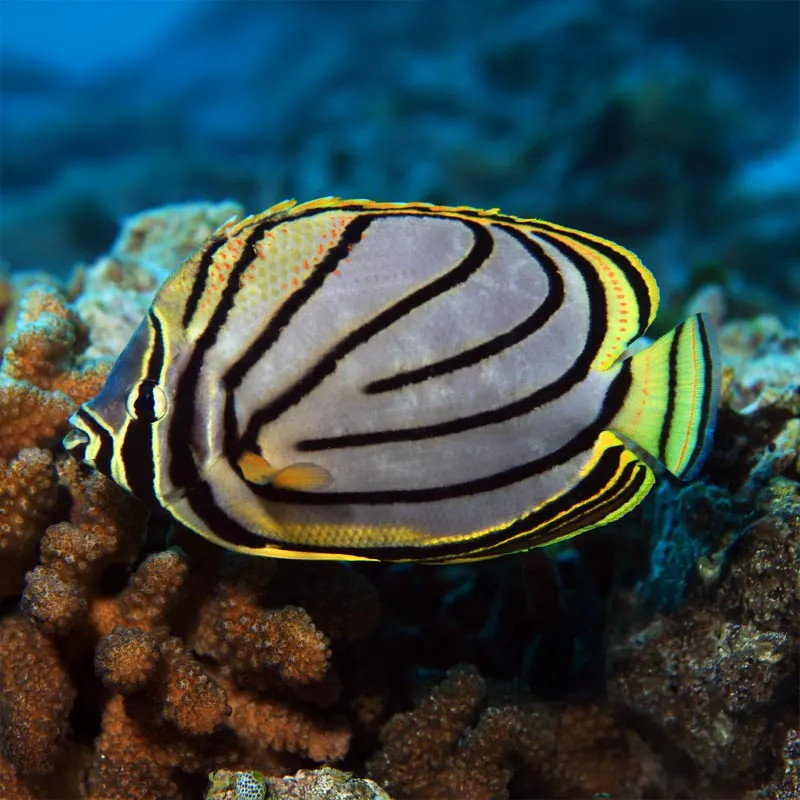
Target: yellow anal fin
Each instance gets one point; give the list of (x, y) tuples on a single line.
[(671, 406)]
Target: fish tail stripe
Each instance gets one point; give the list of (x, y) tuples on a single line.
[(669, 411), (694, 379), (708, 403), (583, 440), (105, 449), (553, 300), (672, 389), (200, 280), (546, 394), (313, 377)]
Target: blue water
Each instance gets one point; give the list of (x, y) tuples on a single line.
[(670, 126)]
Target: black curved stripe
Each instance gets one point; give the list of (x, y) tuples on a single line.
[(708, 399), (296, 300), (582, 441), (672, 390), (183, 471), (105, 451), (601, 504), (280, 320), (553, 300), (200, 279), (546, 394), (326, 365), (136, 451), (629, 270), (201, 501), (632, 274)]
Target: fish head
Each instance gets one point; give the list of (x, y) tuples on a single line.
[(113, 432)]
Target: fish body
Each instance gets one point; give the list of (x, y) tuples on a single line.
[(361, 380)]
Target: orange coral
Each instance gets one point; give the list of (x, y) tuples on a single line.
[(236, 630), (30, 416), (147, 599), (451, 745), (36, 696), (42, 349), (190, 698), (266, 723), (105, 527), (11, 785), (134, 760), (27, 499), (127, 658)]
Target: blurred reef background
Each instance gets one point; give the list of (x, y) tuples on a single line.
[(656, 658)]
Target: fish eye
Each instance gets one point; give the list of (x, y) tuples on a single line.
[(75, 442), (147, 402)]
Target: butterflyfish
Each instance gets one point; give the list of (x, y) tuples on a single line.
[(402, 382)]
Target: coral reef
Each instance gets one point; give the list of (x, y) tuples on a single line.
[(657, 658), (320, 784), (456, 744), (36, 698), (182, 659)]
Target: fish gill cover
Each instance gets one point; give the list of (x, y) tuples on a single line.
[(655, 658)]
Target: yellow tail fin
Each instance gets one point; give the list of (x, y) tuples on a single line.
[(671, 407)]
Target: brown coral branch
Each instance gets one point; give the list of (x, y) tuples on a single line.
[(236, 630), (30, 416), (27, 499), (36, 696)]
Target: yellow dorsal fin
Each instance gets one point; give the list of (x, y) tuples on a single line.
[(303, 477)]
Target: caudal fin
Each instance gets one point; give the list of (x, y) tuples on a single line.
[(671, 408)]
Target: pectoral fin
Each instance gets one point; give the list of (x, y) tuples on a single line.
[(303, 477), (256, 468)]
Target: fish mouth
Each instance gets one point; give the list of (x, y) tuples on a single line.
[(75, 443)]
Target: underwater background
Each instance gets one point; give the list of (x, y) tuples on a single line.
[(654, 658)]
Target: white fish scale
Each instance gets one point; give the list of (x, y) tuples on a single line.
[(381, 269), (444, 517), (337, 408), (463, 456)]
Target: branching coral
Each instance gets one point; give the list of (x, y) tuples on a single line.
[(151, 657), (454, 745), (105, 527), (27, 499), (42, 350), (36, 695), (236, 630)]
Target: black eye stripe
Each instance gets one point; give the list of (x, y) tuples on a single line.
[(146, 402), (144, 406)]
